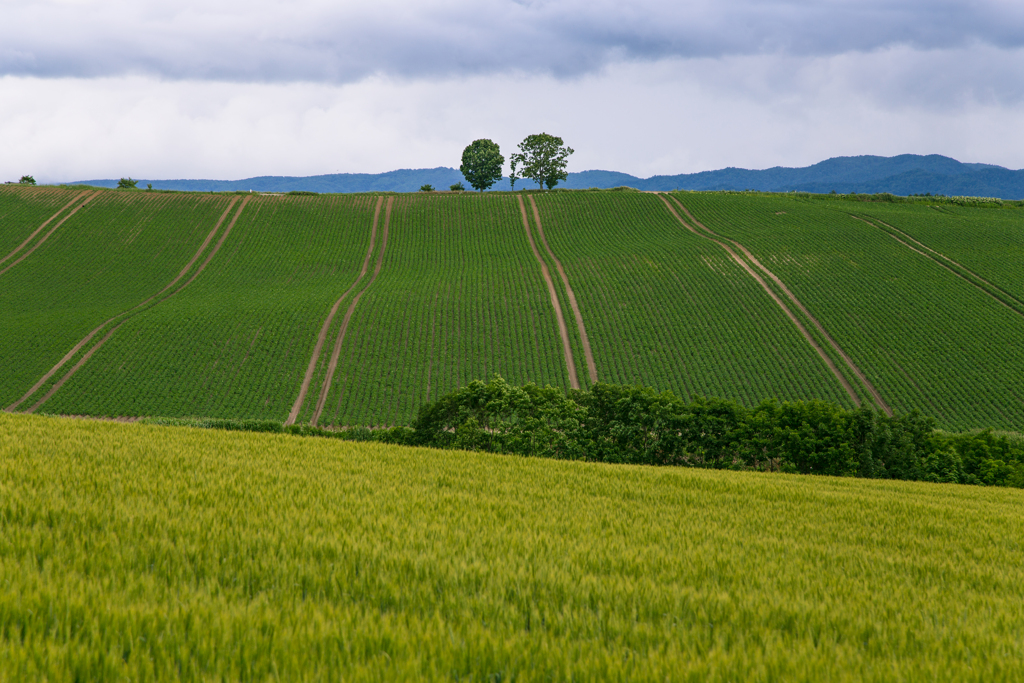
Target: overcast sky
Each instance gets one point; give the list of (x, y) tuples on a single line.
[(190, 89)]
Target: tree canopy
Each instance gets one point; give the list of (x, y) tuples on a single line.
[(127, 183), (541, 158), (481, 164), (27, 180)]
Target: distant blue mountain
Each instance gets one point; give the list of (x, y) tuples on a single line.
[(903, 175)]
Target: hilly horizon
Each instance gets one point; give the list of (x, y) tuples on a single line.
[(904, 174)]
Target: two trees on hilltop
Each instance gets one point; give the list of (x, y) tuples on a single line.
[(541, 158)]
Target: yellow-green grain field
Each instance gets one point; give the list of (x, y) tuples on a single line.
[(131, 552)]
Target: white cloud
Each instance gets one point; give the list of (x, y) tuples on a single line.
[(664, 117), (230, 89)]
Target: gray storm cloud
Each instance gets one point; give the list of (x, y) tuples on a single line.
[(312, 41)]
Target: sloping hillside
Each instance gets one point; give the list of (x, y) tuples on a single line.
[(356, 309)]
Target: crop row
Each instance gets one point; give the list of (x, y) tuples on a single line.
[(668, 309), (108, 257), (23, 210), (924, 337), (237, 341), (459, 297), (989, 242)]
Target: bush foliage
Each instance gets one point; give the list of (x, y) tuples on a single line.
[(639, 426), (636, 425)]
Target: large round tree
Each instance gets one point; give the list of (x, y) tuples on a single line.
[(481, 164)]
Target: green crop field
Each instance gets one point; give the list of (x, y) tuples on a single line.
[(459, 297), (988, 242), (237, 341), (925, 337), (23, 211), (668, 309), (357, 309), (109, 257), (132, 552)]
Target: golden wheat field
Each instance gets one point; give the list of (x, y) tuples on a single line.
[(134, 552)]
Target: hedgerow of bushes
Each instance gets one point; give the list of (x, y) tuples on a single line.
[(636, 425)]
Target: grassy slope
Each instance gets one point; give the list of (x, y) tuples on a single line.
[(924, 337), (459, 297), (110, 256), (167, 553), (668, 309), (237, 341)]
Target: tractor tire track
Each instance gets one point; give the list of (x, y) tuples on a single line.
[(47, 235), (785, 309), (56, 387), (48, 221), (587, 353), (322, 338), (574, 381), (336, 352), (879, 401), (130, 312), (935, 256)]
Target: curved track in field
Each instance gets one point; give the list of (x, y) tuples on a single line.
[(764, 285), (336, 353), (587, 353), (47, 235), (938, 257), (563, 330), (879, 401), (127, 314), (47, 222), (322, 338)]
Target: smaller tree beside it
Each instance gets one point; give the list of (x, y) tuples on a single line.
[(127, 183), (481, 164), (457, 187), (27, 180), (541, 158), (426, 188)]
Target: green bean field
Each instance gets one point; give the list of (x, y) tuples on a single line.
[(459, 296), (925, 336), (356, 310), (135, 552), (670, 309)]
